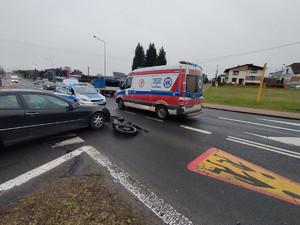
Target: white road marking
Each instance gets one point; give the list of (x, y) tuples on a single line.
[(196, 129), (259, 124), (277, 121), (151, 118), (157, 205), (286, 140), (265, 147), (38, 171), (131, 113), (75, 140)]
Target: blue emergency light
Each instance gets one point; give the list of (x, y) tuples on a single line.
[(188, 63)]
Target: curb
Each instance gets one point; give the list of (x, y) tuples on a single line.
[(287, 115)]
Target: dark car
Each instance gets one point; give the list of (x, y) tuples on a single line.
[(30, 114), (49, 86)]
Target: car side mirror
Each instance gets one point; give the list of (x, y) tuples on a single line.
[(71, 107)]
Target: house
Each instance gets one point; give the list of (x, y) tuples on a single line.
[(291, 75), (55, 74), (222, 78), (244, 74), (276, 74)]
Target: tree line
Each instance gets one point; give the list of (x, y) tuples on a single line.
[(150, 59)]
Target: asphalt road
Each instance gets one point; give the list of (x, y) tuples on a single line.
[(254, 151)]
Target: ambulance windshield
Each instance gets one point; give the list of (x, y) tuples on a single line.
[(194, 83)]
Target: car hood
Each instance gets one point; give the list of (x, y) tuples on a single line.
[(91, 96)]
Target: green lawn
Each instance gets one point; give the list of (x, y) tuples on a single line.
[(271, 98)]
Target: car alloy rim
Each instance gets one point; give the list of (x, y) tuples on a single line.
[(98, 121)]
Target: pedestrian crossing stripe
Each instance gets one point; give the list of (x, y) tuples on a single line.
[(229, 168)]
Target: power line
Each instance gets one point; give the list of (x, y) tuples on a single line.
[(56, 49), (247, 53)]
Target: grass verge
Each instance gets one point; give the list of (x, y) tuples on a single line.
[(286, 100), (71, 200)]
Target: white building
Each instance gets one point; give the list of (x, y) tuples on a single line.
[(291, 75)]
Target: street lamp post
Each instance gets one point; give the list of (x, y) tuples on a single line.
[(104, 54)]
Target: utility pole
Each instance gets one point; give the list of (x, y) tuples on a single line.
[(216, 76)]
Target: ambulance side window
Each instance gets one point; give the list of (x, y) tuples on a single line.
[(128, 83)]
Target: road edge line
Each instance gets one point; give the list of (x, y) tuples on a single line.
[(157, 205)]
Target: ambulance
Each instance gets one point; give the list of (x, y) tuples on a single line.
[(165, 90)]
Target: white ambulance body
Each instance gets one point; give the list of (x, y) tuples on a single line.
[(174, 90)]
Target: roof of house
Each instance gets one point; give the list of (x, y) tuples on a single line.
[(249, 67), (295, 68)]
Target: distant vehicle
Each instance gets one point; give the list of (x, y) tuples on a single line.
[(49, 85), (175, 90), (297, 87), (14, 79), (30, 114), (37, 82), (80, 92), (106, 86)]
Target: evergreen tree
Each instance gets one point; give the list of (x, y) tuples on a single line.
[(161, 58), (151, 56), (139, 58)]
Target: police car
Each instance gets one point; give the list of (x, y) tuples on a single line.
[(79, 92)]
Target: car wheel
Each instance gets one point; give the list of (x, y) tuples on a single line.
[(97, 121), (121, 104), (161, 112)]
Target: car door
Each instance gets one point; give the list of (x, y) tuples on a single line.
[(47, 114), (13, 124), (128, 89)]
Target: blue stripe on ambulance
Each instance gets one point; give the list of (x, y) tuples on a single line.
[(160, 93)]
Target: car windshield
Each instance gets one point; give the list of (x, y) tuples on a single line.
[(85, 90)]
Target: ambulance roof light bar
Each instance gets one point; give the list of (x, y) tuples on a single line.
[(188, 63)]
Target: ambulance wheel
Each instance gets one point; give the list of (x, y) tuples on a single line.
[(161, 112), (121, 104), (126, 129)]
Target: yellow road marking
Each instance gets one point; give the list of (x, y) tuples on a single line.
[(224, 166)]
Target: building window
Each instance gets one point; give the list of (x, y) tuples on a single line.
[(253, 71), (233, 80), (252, 78), (287, 70), (235, 72)]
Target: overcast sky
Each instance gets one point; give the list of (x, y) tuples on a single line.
[(37, 33)]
